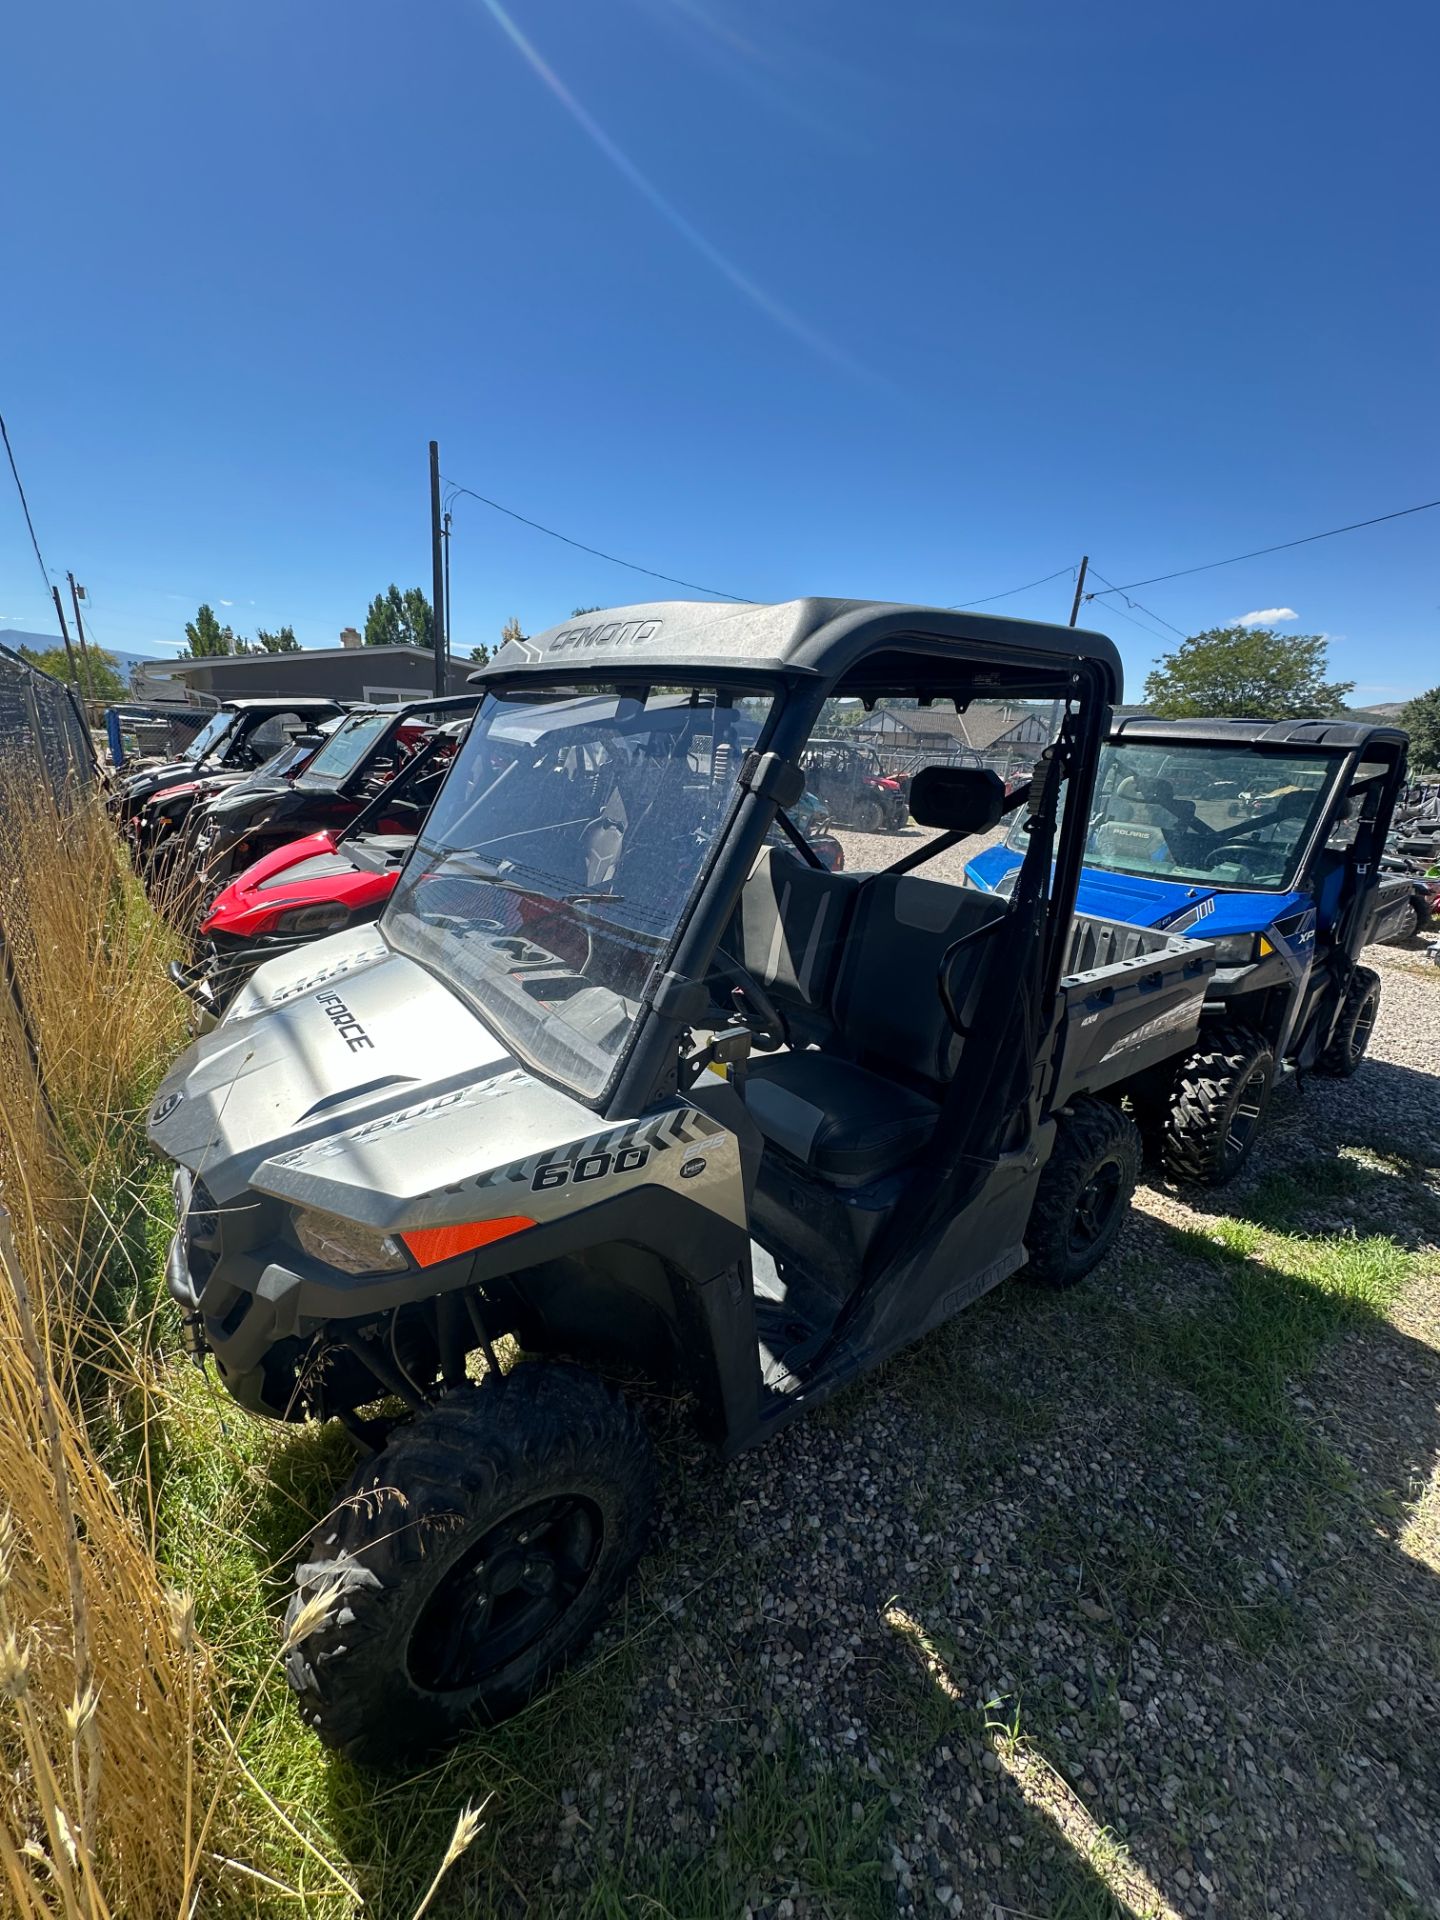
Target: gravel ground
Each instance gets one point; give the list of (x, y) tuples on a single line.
[(1116, 1602)]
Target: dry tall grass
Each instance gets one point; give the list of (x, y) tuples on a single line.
[(99, 1665), (124, 1794)]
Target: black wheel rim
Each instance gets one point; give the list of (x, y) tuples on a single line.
[(1245, 1118), (1095, 1209), (505, 1593)]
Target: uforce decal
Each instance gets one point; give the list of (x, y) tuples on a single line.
[(346, 1025)]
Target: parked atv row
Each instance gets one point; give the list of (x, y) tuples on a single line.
[(154, 800), (1266, 838)]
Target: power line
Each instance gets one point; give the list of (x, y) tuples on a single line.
[(1280, 547), (1143, 625), (964, 606), (40, 559), (1133, 603), (614, 559)]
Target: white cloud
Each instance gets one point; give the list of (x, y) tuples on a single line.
[(1266, 616), (227, 603)]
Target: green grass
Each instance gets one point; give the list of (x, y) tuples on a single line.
[(1281, 1297), (820, 1833)]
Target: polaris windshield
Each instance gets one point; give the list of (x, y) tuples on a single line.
[(559, 860), (346, 748), (210, 735), (1219, 815)]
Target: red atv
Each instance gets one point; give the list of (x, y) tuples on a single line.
[(340, 876), (853, 787)]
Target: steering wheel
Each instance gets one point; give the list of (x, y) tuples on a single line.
[(1234, 852), (753, 1005)]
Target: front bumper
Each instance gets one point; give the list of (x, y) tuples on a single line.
[(219, 1277)]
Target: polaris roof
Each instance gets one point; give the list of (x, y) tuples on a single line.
[(1323, 736), (821, 637), (280, 703)]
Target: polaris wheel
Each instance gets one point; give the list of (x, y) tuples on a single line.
[(1409, 926), (867, 815), (1221, 1093), (1083, 1193), (1354, 1027), (470, 1560)]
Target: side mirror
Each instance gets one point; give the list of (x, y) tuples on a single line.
[(307, 739)]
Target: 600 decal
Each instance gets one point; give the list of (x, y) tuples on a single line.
[(590, 1166)]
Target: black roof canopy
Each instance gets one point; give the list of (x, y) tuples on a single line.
[(834, 640), (1313, 736)]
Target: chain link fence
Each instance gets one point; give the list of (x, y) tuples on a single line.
[(40, 720)]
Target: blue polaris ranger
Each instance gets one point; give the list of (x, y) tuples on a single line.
[(1264, 838)]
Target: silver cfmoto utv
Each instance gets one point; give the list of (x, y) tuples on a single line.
[(627, 1074)]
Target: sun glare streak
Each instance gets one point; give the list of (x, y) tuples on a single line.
[(1044, 1791), (772, 308)]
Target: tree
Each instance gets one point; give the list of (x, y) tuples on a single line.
[(512, 630), (1245, 673), (480, 655), (205, 636), (281, 641), (396, 619), (419, 620), (576, 612), (1420, 718), (102, 682)]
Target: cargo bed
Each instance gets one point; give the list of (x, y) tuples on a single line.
[(1130, 998)]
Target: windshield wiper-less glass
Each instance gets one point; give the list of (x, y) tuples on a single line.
[(495, 875)]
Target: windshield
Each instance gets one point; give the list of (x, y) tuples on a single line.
[(557, 863), (346, 748), (210, 735), (1222, 815)]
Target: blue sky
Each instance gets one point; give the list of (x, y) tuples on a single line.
[(914, 302)]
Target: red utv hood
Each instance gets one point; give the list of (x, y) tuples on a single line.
[(303, 873)]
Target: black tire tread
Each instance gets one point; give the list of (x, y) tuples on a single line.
[(1197, 1118), (474, 1450), (1337, 1060), (1090, 1132)]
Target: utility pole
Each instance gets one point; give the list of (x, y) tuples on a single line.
[(437, 569), (88, 690), (1057, 707), (65, 636), (449, 636)]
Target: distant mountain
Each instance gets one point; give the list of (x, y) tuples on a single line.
[(16, 638), (1382, 710)]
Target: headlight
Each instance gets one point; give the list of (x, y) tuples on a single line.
[(323, 918), (343, 1244), (1236, 949)]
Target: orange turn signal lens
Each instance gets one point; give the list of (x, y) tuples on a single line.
[(431, 1245)]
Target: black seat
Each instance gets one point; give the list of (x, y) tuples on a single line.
[(789, 931), (842, 1120), (872, 982), (867, 1100)]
